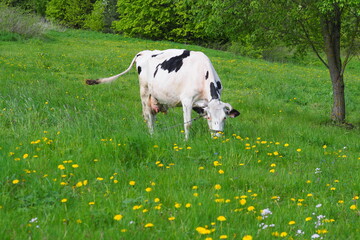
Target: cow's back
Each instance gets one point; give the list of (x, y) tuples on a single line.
[(174, 74)]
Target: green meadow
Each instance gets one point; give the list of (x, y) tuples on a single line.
[(77, 161)]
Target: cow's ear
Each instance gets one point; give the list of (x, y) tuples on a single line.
[(233, 113), (199, 110)]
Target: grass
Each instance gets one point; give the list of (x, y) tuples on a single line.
[(77, 160)]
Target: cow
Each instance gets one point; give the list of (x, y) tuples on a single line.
[(174, 77)]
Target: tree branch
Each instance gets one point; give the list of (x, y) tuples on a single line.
[(307, 36)]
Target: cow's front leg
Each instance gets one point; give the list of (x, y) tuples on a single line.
[(187, 107)]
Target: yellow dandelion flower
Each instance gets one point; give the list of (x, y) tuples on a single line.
[(283, 234), (188, 205), (149, 189), (118, 217), (341, 201), (99, 178), (195, 194), (308, 219), (221, 171), (149, 225), (353, 207), (203, 230), (132, 183), (79, 184), (221, 218), (223, 237), (25, 155), (217, 163), (242, 201), (299, 150), (75, 165), (247, 237), (91, 203), (251, 208), (16, 181), (171, 218), (61, 167), (177, 205), (64, 200), (272, 170), (217, 186), (195, 187), (292, 222)]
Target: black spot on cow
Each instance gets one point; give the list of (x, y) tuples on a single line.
[(139, 70), (214, 91), (218, 84), (174, 63), (157, 68), (155, 55), (207, 75), (199, 110)]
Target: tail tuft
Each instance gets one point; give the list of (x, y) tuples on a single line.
[(92, 82)]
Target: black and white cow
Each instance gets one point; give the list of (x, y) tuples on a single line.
[(174, 77)]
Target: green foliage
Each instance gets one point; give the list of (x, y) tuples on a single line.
[(95, 20), (36, 6), (69, 151), (161, 19), (70, 13)]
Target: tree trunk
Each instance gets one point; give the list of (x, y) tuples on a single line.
[(331, 31)]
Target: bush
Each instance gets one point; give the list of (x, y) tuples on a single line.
[(70, 13), (15, 21), (95, 20)]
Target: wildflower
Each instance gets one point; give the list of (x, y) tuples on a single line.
[(16, 181), (251, 208), (217, 163), (149, 225), (75, 165), (318, 205), (132, 183), (242, 201), (64, 200), (118, 217), (341, 201), (317, 170), (265, 212), (188, 205), (292, 222), (171, 218), (99, 178), (195, 187), (272, 170), (61, 167), (91, 203), (149, 189), (203, 230), (177, 205), (247, 237), (79, 184), (315, 236), (223, 237), (25, 155), (221, 171), (308, 219), (283, 234), (353, 207), (298, 150), (221, 218), (217, 186)]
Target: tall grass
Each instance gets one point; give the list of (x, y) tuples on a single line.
[(77, 161), (16, 23)]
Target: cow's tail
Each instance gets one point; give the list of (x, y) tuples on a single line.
[(112, 78)]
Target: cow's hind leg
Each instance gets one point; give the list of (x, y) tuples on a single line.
[(148, 113), (187, 107)]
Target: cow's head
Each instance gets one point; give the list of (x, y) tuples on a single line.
[(216, 112)]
